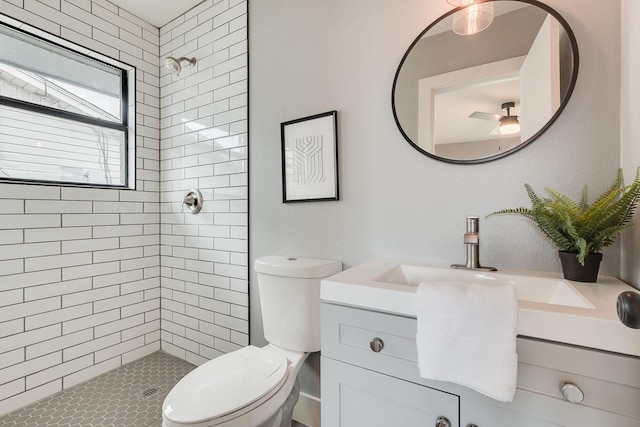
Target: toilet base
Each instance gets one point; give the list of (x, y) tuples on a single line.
[(284, 416), (289, 404)]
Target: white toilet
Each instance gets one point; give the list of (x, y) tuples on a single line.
[(258, 387)]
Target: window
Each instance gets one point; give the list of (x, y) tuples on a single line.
[(65, 113)]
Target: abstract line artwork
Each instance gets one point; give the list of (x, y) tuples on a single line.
[(307, 162), (310, 159)]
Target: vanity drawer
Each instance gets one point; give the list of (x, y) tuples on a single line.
[(347, 334), (610, 382), (602, 365)]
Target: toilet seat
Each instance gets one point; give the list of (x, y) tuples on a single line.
[(226, 385)]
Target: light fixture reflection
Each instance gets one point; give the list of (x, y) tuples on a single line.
[(473, 18), (509, 125)]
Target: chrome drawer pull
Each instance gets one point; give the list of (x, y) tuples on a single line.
[(572, 393), (443, 422), (376, 345)]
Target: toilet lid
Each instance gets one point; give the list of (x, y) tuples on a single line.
[(225, 384)]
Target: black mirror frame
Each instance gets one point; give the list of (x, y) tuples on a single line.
[(565, 100)]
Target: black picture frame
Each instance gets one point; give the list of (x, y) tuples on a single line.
[(310, 158)]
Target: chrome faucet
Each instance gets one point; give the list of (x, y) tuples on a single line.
[(472, 242)]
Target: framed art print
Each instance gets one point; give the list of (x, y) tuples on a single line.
[(310, 158)]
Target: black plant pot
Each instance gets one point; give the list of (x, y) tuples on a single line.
[(573, 270)]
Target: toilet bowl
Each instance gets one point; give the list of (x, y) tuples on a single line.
[(258, 386), (245, 388)]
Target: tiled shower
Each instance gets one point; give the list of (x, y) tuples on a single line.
[(204, 145), (91, 279)]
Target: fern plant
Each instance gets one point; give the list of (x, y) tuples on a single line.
[(580, 227)]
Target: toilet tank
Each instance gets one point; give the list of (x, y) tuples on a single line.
[(290, 299)]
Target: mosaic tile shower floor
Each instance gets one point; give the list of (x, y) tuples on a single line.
[(131, 396)]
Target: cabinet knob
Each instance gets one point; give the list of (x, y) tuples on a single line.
[(376, 345), (443, 422), (572, 393)]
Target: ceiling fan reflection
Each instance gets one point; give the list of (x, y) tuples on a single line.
[(507, 124)]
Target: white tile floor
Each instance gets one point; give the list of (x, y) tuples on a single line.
[(130, 396)]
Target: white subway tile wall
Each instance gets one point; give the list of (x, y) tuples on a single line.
[(77, 266), (203, 141), (84, 272)]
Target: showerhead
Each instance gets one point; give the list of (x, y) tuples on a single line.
[(174, 66)]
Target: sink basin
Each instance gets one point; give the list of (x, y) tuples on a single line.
[(549, 307), (528, 288)]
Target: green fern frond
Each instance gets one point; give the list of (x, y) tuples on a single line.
[(617, 212), (535, 200), (629, 201), (584, 200), (615, 187), (519, 211), (563, 200)]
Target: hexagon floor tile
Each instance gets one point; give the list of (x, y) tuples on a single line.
[(131, 396)]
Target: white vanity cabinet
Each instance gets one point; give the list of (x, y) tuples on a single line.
[(370, 378)]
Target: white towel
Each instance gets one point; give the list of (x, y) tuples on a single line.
[(467, 335)]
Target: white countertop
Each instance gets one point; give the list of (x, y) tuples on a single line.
[(593, 325)]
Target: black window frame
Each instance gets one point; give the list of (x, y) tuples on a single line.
[(124, 126)]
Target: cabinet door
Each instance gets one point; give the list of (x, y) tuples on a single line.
[(482, 415), (357, 397)]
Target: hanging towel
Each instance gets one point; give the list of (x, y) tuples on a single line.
[(467, 335)]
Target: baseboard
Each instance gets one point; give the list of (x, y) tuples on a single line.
[(307, 410)]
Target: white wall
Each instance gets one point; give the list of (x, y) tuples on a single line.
[(630, 129), (80, 268), (311, 57), (203, 144)]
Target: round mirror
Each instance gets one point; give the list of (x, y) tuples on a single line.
[(468, 94)]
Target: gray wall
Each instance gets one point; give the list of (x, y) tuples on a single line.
[(311, 57), (629, 129)]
